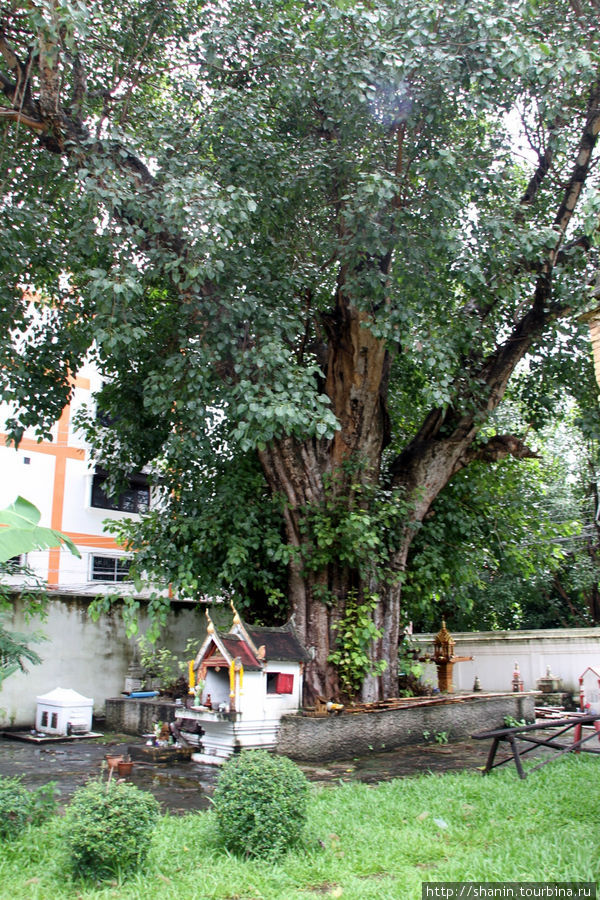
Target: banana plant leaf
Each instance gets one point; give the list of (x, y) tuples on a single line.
[(20, 531)]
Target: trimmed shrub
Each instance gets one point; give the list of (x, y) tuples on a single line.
[(108, 827), (14, 807), (20, 807), (260, 803), (43, 803)]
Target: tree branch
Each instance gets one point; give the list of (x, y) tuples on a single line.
[(499, 447), (573, 189), (13, 115), (445, 442)]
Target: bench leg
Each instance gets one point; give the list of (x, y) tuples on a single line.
[(516, 756), (491, 756)]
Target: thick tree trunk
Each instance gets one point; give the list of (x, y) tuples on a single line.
[(308, 473)]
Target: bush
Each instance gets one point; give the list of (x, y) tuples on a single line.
[(260, 803), (107, 828), (14, 807), (20, 807)]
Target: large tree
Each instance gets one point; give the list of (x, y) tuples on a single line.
[(306, 231)]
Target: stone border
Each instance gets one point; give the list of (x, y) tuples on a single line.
[(345, 736)]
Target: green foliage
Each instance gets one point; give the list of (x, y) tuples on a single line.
[(43, 803), (22, 532), (410, 669), (216, 531), (108, 828), (374, 841), (14, 807), (260, 804), (357, 525), (511, 722), (158, 662), (20, 807), (15, 651), (354, 635), (513, 545)]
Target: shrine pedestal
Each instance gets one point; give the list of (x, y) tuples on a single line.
[(444, 672)]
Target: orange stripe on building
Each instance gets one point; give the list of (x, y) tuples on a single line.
[(103, 542), (61, 451), (80, 382), (47, 447), (58, 492)]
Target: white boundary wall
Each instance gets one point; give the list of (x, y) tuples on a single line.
[(89, 657), (568, 652)]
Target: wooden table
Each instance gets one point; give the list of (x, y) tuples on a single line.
[(526, 735)]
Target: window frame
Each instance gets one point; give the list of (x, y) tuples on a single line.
[(135, 499), (118, 569)]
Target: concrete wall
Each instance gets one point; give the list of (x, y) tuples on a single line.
[(568, 651), (345, 736), (86, 656), (137, 716)]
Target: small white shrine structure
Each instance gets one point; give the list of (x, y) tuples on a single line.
[(589, 690), (63, 712), (244, 681)]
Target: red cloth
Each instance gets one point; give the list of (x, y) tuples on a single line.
[(284, 683)]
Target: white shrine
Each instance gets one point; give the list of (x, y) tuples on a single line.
[(63, 712), (244, 681), (589, 691)]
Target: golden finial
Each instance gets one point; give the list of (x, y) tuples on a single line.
[(236, 617), (210, 628)]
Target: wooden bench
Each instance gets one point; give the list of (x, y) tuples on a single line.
[(530, 741)]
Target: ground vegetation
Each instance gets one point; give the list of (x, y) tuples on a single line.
[(362, 842)]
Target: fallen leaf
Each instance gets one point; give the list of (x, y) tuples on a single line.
[(422, 816)]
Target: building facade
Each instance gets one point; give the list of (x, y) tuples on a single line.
[(59, 478)]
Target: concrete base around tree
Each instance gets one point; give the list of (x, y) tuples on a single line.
[(339, 737), (351, 734)]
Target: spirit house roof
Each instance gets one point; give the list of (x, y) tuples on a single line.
[(252, 645)]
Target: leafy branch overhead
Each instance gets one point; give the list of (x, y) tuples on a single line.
[(319, 240)]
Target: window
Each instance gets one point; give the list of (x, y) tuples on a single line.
[(280, 683), (54, 720), (135, 499), (44, 722), (109, 568)]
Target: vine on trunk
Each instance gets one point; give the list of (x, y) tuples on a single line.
[(354, 638)]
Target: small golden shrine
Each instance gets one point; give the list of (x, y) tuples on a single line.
[(444, 659), (443, 645)]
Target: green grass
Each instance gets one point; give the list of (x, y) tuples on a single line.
[(362, 843)]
